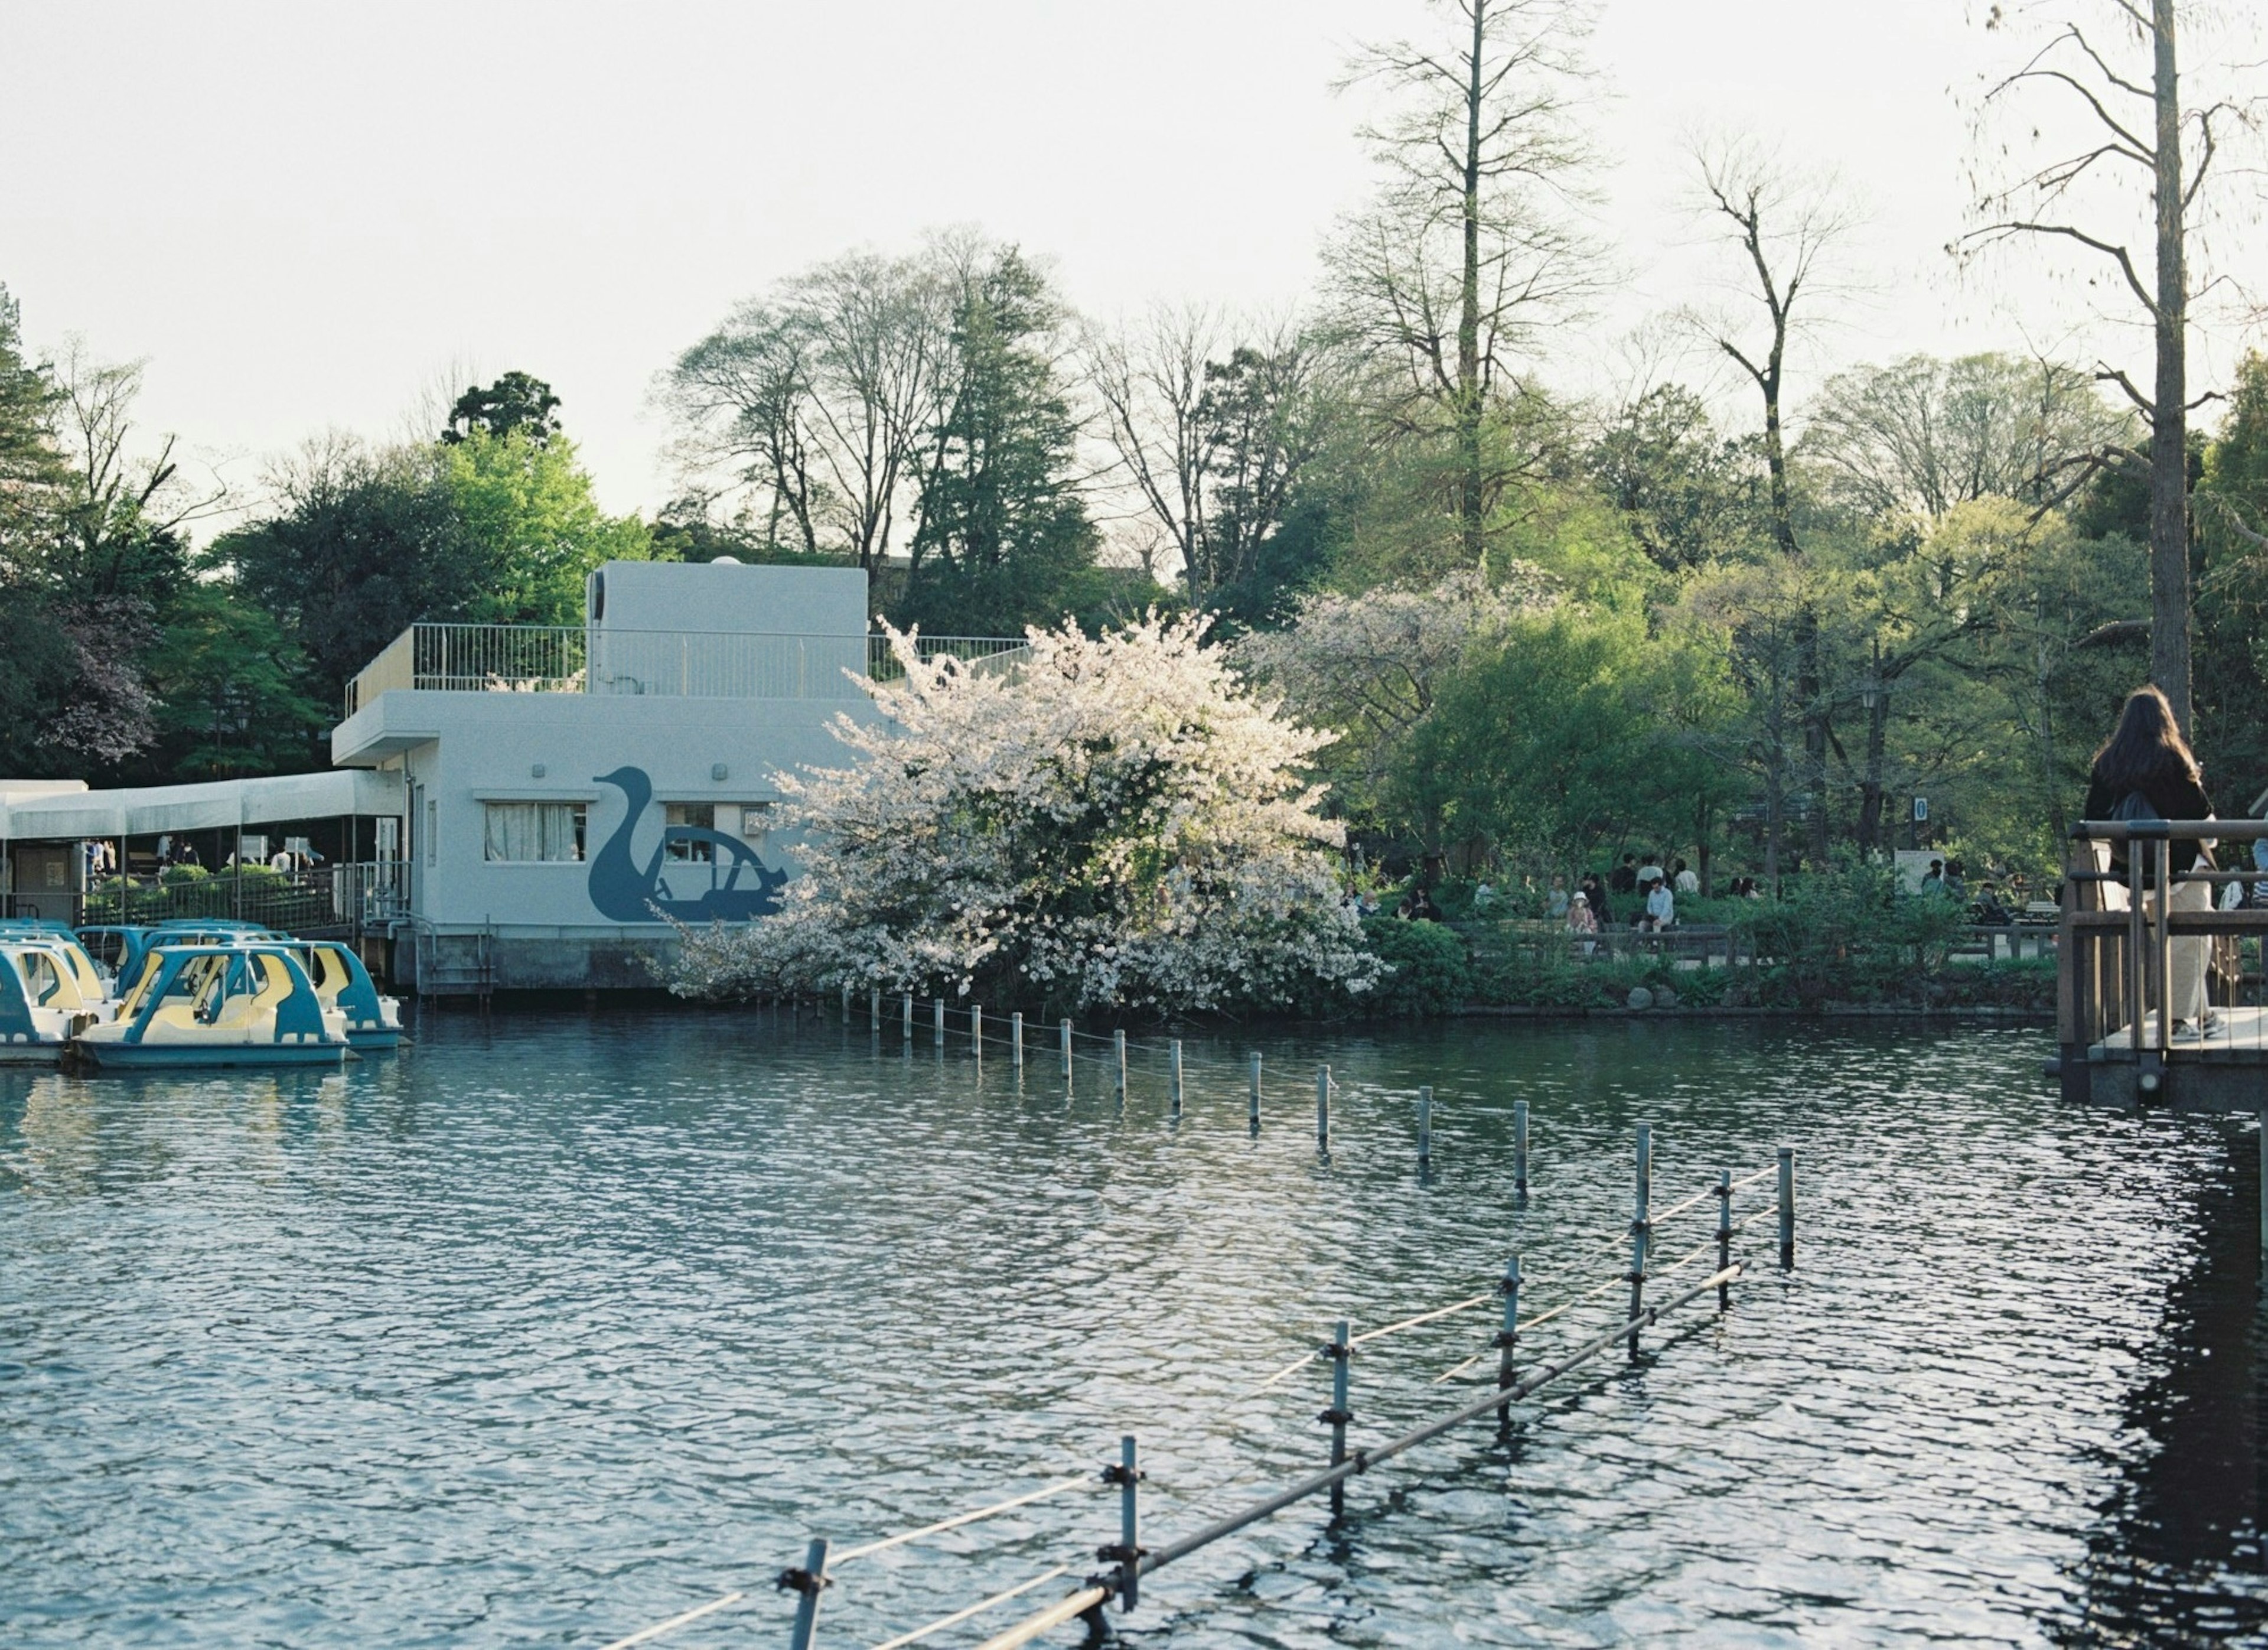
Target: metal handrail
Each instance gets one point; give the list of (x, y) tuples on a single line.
[(2186, 830), (452, 658)]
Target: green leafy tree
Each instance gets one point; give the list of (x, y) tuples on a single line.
[(2231, 509), (231, 692), (525, 507), (516, 403), (1572, 731), (364, 543), (495, 529), (1688, 493), (1005, 539)]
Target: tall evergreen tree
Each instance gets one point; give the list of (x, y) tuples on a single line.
[(1004, 538)]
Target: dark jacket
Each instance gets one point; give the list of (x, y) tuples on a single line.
[(1600, 906), (2174, 796)]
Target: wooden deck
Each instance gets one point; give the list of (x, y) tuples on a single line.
[(2242, 1037)]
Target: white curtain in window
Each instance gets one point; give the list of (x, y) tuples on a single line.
[(540, 832)]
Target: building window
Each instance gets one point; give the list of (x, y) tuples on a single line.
[(703, 815), (532, 833)]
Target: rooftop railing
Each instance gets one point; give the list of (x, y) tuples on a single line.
[(676, 663)]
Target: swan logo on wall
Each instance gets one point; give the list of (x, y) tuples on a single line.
[(740, 885)]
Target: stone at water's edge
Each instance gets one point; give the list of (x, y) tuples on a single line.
[(1664, 997), (1639, 999)]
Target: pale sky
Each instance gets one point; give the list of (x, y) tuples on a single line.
[(300, 214)]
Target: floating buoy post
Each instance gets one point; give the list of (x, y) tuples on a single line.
[(1787, 1207), (1508, 1338), (1641, 1228), (1341, 1352)]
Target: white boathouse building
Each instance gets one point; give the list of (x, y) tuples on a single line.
[(541, 797)]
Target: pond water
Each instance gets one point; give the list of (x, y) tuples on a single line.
[(554, 1325)]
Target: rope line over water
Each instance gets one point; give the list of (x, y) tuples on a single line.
[(955, 1522), (977, 1608), (1130, 1560)]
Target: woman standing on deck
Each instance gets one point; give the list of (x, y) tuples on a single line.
[(2146, 771)]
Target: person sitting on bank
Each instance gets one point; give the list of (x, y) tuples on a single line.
[(1660, 906), (1593, 891), (1555, 906), (2145, 771), (1683, 878), (1933, 881), (1624, 878)]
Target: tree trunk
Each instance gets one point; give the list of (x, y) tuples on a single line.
[(2169, 549), (1775, 786), (1870, 804), (1469, 313)]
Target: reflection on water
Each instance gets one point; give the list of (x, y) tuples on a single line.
[(554, 1325)]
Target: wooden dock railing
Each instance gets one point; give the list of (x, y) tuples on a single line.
[(2120, 958)]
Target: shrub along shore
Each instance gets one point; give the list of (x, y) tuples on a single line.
[(1846, 942)]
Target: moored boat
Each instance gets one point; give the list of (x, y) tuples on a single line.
[(245, 1002), (44, 1001), (373, 1021)]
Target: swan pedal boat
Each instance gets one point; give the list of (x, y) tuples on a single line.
[(339, 979), (241, 1002), (50, 992)]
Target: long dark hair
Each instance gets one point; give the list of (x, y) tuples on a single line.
[(2146, 747)]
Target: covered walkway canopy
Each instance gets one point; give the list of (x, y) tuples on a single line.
[(218, 804)]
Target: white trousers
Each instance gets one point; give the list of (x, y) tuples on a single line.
[(2191, 957)]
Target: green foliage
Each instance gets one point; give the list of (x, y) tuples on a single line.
[(496, 529), (1005, 539), (1426, 969), (1571, 731), (231, 690), (2232, 652), (1848, 934), (525, 507), (516, 403)]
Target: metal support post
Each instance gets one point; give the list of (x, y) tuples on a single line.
[(1519, 1150), (1788, 1207), (1724, 1236), (1322, 1109), (807, 1583), (1255, 1124), (1340, 1350), (1016, 1040), (1175, 1050), (846, 1002), (908, 1002), (1425, 1124), (1641, 1227), (1067, 1050), (874, 1009), (936, 1034), (977, 1029), (1507, 1338), (1127, 1555), (1118, 1048)]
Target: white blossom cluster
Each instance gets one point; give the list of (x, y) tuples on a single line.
[(1111, 822)]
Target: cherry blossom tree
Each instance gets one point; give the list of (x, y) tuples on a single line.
[(1112, 822)]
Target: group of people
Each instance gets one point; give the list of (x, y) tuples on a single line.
[(1653, 887), (2146, 772)]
